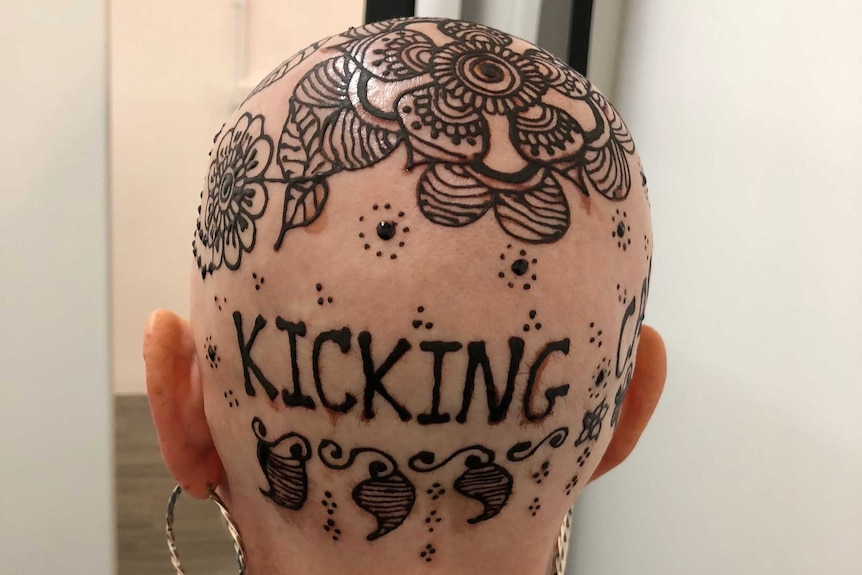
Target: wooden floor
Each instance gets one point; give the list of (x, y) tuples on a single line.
[(143, 487)]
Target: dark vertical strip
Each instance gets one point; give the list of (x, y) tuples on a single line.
[(377, 10), (579, 34)]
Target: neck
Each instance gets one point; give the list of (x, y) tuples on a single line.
[(274, 547)]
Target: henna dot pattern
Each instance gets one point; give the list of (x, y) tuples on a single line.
[(595, 335), (258, 281), (534, 507), (219, 303), (231, 400), (321, 299), (543, 473), (535, 324), (436, 491), (519, 269), (600, 378), (622, 294), (418, 323), (571, 484), (621, 230), (431, 520), (212, 352), (388, 235), (331, 525), (427, 553), (585, 454)]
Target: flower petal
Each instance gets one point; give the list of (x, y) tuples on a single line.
[(352, 143), (395, 55), (257, 157), (252, 199), (538, 215), (216, 251), (326, 84), (440, 128), (232, 248), (450, 195), (614, 122), (547, 134), (472, 32), (605, 171), (225, 148), (245, 232), (559, 74)]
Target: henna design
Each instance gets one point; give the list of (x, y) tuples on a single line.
[(387, 494), (632, 321), (212, 354), (534, 507), (282, 69), (620, 396), (525, 449), (424, 461), (543, 473), (330, 526), (437, 100), (571, 484), (520, 270), (483, 480), (235, 197), (592, 423), (283, 464), (231, 400)]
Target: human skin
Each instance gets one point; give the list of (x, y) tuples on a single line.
[(394, 218)]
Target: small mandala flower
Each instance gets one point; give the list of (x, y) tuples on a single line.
[(235, 196), (592, 423)]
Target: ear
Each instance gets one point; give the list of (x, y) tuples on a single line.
[(640, 402), (176, 401)]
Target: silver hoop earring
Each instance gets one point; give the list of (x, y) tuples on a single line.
[(561, 549), (231, 527)]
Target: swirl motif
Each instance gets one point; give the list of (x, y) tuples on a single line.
[(525, 449), (424, 461)]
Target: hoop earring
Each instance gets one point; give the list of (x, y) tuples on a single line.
[(231, 527), (561, 549)]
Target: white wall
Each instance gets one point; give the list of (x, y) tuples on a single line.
[(174, 80), (56, 488), (748, 117)]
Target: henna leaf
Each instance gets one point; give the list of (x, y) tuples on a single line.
[(300, 147), (303, 202)]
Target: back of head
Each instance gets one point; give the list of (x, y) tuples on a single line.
[(422, 260)]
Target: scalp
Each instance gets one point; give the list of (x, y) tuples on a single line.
[(417, 235)]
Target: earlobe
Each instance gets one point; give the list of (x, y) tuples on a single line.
[(641, 400), (176, 401)]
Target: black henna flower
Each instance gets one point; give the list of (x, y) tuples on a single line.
[(436, 92), (235, 196), (488, 76), (592, 423)]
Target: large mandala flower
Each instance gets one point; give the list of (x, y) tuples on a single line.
[(235, 196), (488, 76), (391, 84)]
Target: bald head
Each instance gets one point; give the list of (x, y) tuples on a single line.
[(422, 261)]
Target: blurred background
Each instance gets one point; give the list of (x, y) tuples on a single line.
[(747, 117)]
